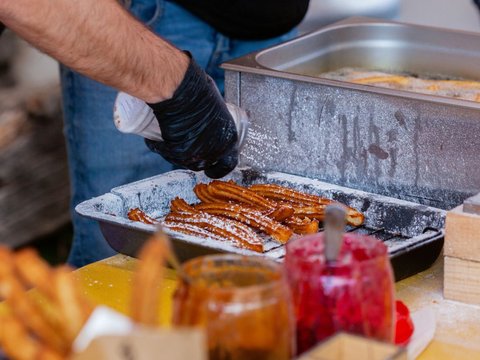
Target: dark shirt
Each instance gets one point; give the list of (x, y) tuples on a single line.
[(246, 19), (249, 19)]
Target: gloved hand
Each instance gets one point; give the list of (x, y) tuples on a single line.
[(197, 129)]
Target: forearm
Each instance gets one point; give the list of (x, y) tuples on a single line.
[(99, 39)]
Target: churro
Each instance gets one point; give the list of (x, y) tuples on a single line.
[(232, 230), (138, 215), (250, 217), (284, 194), (223, 191), (303, 225)]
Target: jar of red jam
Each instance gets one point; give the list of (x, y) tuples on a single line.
[(354, 293)]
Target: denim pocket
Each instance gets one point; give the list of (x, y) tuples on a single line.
[(147, 11)]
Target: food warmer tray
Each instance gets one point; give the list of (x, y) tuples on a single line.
[(416, 147), (412, 232)]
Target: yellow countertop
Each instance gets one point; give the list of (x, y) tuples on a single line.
[(457, 335)]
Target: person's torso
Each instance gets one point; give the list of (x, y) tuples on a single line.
[(246, 19), (249, 19)]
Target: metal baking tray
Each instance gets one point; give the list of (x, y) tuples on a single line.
[(378, 45), (412, 232), (417, 147)]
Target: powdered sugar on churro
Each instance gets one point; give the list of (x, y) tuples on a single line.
[(236, 232)]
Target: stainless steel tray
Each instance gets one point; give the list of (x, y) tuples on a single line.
[(398, 143), (376, 45), (412, 232)]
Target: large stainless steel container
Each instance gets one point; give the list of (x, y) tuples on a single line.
[(413, 146)]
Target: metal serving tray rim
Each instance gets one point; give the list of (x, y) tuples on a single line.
[(249, 64)]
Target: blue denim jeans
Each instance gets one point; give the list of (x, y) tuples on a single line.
[(100, 157)]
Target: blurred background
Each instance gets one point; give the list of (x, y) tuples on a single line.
[(34, 189)]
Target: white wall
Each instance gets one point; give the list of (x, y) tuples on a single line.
[(455, 14)]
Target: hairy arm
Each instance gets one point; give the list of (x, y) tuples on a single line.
[(101, 40)]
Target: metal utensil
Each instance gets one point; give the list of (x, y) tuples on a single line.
[(334, 229)]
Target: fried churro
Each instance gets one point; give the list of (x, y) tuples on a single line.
[(203, 193), (147, 280), (227, 191), (284, 194), (229, 211), (41, 324), (248, 216), (232, 230), (304, 205), (138, 215), (192, 230), (302, 226), (24, 307)]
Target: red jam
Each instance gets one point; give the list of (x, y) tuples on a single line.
[(354, 294)]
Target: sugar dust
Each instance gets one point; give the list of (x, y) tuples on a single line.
[(262, 146)]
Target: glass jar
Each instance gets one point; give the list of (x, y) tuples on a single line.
[(244, 304), (354, 294)]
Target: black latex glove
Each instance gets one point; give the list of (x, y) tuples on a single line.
[(197, 129)]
